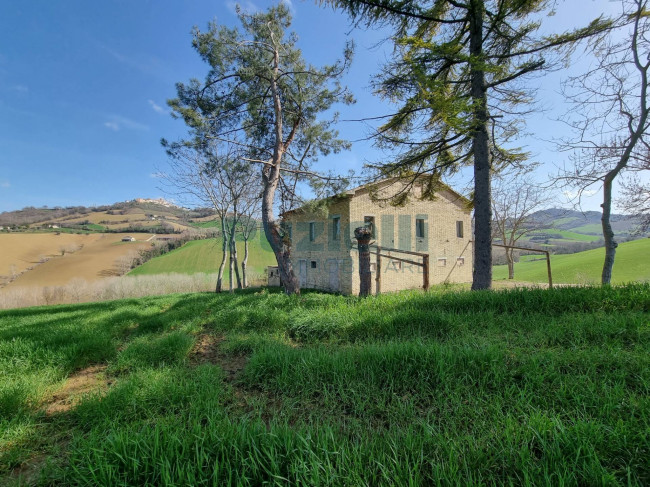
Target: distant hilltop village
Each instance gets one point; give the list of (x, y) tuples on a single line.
[(158, 201)]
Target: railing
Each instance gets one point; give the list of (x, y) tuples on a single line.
[(377, 250)]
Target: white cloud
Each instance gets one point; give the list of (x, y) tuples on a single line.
[(4, 184), (117, 122), (20, 88), (246, 6), (571, 195), (157, 108), (157, 175)]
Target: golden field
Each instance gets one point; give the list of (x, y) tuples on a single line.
[(47, 259)]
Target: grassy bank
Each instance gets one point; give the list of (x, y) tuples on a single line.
[(205, 256), (631, 264), (451, 387)]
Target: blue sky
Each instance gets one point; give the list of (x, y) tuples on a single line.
[(84, 84)]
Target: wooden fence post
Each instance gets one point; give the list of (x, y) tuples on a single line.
[(378, 271), (425, 262), (548, 268)]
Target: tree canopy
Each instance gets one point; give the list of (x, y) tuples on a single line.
[(260, 94), (457, 74)]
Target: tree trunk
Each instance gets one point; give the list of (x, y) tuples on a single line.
[(510, 258), (244, 263), (223, 258), (482, 278), (233, 251), (270, 178), (281, 246), (608, 231), (363, 236)]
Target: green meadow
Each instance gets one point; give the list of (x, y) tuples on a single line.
[(449, 387), (205, 256), (632, 264)]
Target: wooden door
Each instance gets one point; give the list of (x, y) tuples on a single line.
[(302, 273), (333, 265)]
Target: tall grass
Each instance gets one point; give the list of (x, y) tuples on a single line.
[(81, 291), (517, 387)]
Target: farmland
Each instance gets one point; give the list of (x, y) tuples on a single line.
[(205, 256), (56, 259), (449, 387), (632, 264)]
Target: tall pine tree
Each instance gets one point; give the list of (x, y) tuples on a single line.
[(457, 72), (262, 96)]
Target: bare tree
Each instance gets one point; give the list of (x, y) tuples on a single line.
[(249, 211), (516, 199), (635, 195), (209, 175), (611, 114)]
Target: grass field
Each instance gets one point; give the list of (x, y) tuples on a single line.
[(632, 264), (519, 387), (207, 224), (205, 256), (568, 235)]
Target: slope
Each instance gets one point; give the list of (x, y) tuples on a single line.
[(632, 264), (205, 256)]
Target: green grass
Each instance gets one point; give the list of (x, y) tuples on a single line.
[(631, 264), (594, 228), (207, 224), (519, 387), (567, 235), (95, 227), (205, 256)]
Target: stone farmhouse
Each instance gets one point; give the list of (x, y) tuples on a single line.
[(324, 250)]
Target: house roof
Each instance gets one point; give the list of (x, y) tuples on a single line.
[(350, 193)]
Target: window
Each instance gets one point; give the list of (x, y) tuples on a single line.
[(312, 231), (336, 227), (314, 264), (373, 267), (460, 261), (459, 229), (369, 221), (442, 262), (419, 227)]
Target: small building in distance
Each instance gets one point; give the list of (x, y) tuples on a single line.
[(324, 250), (273, 275), (128, 239)]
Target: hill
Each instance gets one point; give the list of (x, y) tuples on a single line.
[(47, 259), (632, 264), (571, 231), (144, 215), (521, 387), (205, 256)]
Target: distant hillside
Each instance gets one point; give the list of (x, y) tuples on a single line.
[(205, 256), (157, 216), (570, 231), (631, 264)]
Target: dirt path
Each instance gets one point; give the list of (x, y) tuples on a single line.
[(207, 350)]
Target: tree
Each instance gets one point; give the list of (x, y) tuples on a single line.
[(260, 90), (247, 227), (457, 71), (215, 176), (610, 115), (636, 199), (516, 201)]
